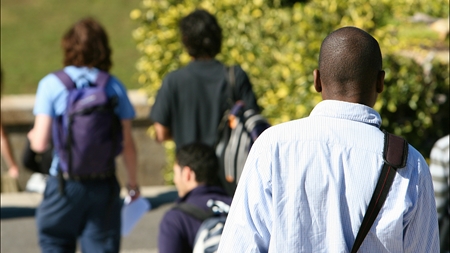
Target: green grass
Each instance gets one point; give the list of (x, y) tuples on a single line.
[(31, 32)]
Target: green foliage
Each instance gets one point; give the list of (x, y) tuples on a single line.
[(279, 47), (435, 8), (415, 103)]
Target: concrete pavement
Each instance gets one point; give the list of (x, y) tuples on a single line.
[(18, 229)]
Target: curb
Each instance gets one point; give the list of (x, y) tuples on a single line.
[(32, 199)]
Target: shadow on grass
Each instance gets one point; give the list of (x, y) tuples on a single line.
[(12, 212)]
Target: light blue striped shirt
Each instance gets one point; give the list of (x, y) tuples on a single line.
[(307, 183)]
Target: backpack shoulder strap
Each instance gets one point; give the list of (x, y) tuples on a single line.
[(65, 79), (102, 78), (231, 82), (395, 155), (395, 151), (194, 211)]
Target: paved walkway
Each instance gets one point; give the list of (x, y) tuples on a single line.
[(18, 229)]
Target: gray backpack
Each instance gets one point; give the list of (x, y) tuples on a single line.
[(238, 129)]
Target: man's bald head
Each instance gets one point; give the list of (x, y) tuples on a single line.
[(349, 63)]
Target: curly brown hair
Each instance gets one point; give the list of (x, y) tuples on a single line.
[(86, 44)]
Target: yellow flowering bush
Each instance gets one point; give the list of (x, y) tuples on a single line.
[(279, 48)]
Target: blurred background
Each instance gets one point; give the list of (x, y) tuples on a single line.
[(275, 41), (31, 32)]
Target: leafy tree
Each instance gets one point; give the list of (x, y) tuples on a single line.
[(278, 47)]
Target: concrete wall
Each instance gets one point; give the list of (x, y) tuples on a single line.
[(17, 119)]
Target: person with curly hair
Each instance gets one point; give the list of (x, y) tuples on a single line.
[(88, 208)]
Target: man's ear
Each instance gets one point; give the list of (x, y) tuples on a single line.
[(185, 171), (317, 82), (380, 81), (188, 173)]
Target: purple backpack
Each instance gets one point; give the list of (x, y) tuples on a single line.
[(88, 135)]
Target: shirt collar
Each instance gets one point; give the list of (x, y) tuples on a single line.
[(206, 62), (201, 190), (348, 111), (82, 76)]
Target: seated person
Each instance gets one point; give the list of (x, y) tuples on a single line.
[(195, 177)]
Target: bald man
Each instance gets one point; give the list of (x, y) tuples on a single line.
[(307, 183)]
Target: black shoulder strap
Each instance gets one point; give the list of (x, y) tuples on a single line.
[(194, 211), (231, 83), (395, 154)]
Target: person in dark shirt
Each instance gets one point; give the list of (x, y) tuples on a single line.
[(195, 175), (192, 100)]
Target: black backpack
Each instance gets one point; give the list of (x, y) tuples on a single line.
[(237, 131), (37, 162)]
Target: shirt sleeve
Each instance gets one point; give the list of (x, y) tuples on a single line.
[(421, 232), (124, 108), (250, 218), (161, 109), (50, 96), (171, 238)]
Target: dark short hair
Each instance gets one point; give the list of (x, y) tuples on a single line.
[(202, 159), (201, 34), (86, 44)]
